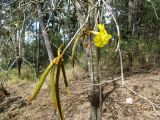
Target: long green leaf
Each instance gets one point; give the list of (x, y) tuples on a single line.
[(65, 79), (41, 81), (57, 93), (74, 49), (52, 86)]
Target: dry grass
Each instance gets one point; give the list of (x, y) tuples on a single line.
[(77, 107), (74, 73), (27, 75)]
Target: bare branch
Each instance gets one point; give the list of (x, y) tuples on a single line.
[(72, 39)]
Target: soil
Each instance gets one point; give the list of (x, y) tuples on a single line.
[(76, 107)]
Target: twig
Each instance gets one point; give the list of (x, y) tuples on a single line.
[(79, 112), (30, 65), (2, 69), (121, 65), (72, 39), (9, 68), (154, 9), (104, 82), (118, 45), (143, 97), (117, 26)]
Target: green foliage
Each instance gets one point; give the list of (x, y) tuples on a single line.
[(110, 61)]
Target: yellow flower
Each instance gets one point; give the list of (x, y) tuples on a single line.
[(102, 38)]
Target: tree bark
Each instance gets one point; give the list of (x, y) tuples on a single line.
[(131, 27), (45, 35), (18, 52), (93, 65), (38, 50), (92, 55), (19, 63), (131, 16)]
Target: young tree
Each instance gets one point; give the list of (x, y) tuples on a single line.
[(93, 19)]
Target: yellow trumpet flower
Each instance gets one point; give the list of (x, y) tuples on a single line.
[(102, 38)]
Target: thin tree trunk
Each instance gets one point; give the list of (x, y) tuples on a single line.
[(19, 63), (95, 91), (131, 16), (92, 55), (131, 27), (38, 50), (18, 52), (45, 35), (93, 65)]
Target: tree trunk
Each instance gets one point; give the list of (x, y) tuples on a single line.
[(92, 55), (93, 65), (131, 16), (19, 63), (79, 12), (131, 27), (18, 52), (38, 50), (44, 33), (95, 90)]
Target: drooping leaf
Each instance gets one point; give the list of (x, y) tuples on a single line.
[(59, 50), (57, 92), (52, 86), (41, 81), (65, 79), (74, 49)]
